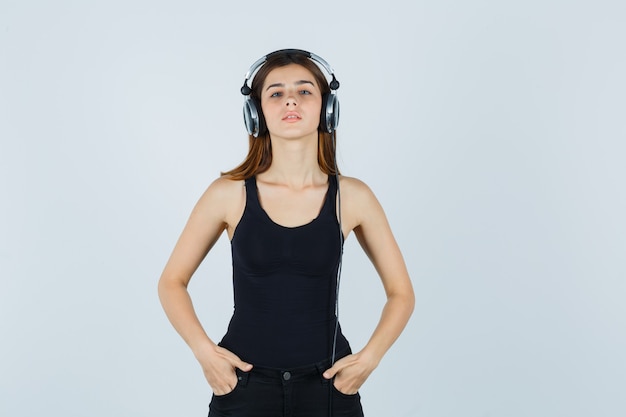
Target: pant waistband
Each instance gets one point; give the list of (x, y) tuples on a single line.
[(283, 375)]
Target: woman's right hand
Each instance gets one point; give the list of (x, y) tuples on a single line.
[(218, 365)]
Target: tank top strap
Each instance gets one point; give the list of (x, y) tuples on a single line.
[(331, 195), (252, 196)]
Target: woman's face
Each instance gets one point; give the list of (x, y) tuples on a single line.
[(291, 102)]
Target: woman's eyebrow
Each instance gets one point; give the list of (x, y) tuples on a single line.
[(296, 83)]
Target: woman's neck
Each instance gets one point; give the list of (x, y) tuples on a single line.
[(294, 163)]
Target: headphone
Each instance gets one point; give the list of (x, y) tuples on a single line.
[(253, 115)]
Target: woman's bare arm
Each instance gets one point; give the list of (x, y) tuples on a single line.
[(216, 211), (363, 214)]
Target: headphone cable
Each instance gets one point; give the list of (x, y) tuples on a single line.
[(338, 278), (341, 240)]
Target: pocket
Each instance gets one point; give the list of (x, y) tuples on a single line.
[(226, 404), (341, 394), (242, 379), (346, 404), (228, 393)]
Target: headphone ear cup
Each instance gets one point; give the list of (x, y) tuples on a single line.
[(329, 118), (250, 116), (262, 125), (253, 117)]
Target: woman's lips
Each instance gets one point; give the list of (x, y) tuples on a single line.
[(291, 117)]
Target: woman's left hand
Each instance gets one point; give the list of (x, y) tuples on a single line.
[(350, 372)]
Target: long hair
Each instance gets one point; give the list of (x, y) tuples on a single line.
[(259, 156)]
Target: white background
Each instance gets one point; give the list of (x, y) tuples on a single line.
[(492, 132)]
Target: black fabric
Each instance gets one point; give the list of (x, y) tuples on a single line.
[(298, 392), (284, 286)]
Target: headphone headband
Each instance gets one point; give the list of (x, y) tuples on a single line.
[(246, 90)]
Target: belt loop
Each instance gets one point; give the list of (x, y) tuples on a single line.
[(321, 368)]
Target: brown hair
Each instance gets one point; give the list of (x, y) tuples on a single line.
[(259, 156)]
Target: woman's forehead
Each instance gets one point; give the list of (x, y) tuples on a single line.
[(289, 74)]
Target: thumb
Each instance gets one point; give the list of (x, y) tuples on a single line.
[(237, 362), (244, 366), (331, 372)]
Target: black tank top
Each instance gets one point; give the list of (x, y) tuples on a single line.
[(284, 286)]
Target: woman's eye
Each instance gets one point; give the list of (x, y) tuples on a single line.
[(305, 92), (276, 94)]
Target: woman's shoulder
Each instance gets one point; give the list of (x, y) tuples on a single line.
[(223, 200), (359, 204), (354, 187), (225, 192), (226, 184)]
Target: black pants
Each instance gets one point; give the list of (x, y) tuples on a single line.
[(300, 392)]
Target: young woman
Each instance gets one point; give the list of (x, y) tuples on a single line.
[(286, 211)]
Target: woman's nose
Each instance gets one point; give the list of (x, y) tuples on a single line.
[(291, 99)]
